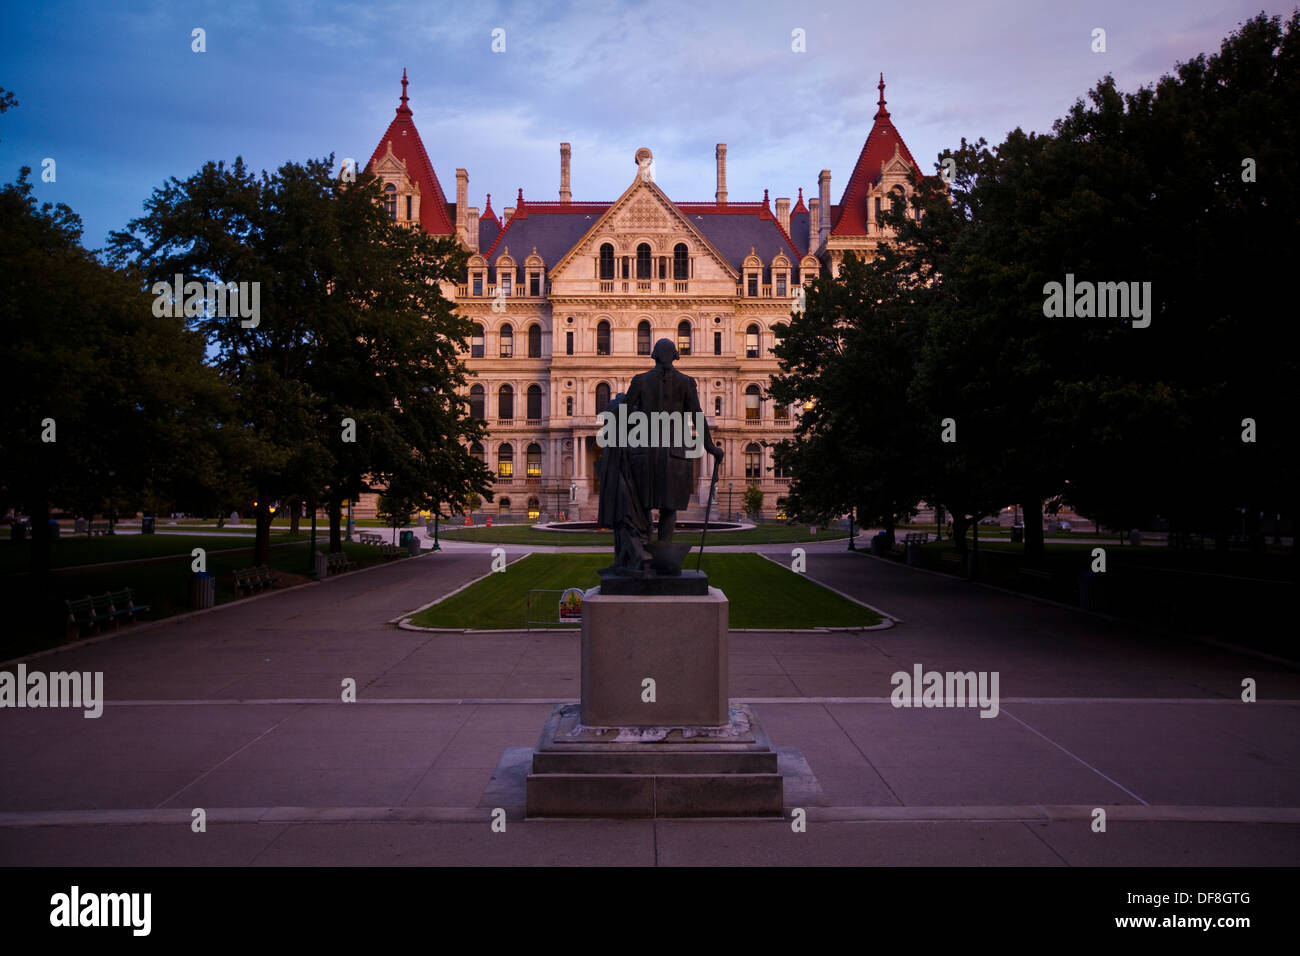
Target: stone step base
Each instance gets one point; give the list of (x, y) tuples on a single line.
[(654, 795)]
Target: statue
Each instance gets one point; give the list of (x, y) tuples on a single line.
[(640, 472)]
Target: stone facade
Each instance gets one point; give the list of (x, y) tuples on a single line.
[(568, 298)]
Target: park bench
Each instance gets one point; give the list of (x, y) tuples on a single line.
[(249, 580), (89, 613), (390, 551), (99, 527), (370, 537), (337, 562), (912, 537)]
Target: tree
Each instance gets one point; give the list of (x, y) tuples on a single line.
[(752, 500), (349, 377), (101, 397)]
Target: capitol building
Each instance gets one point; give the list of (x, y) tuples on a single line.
[(568, 296)]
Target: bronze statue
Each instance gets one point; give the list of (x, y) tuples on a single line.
[(638, 476)]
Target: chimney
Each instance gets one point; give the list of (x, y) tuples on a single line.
[(814, 225), (565, 194), (721, 155), (462, 205), (509, 211), (471, 227), (824, 231), (783, 213)]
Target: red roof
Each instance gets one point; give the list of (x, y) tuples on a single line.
[(488, 213), (849, 218), (408, 148)]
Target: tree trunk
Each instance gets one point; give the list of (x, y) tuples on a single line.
[(1032, 508), (41, 544), (959, 532), (262, 542), (335, 512), (295, 514)]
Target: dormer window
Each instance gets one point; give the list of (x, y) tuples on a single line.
[(390, 200), (408, 207), (507, 282), (534, 284), (752, 285)]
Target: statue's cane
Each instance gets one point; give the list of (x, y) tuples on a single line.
[(707, 506)]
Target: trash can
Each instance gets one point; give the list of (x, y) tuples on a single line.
[(913, 554), (54, 530), (404, 538), (413, 544), (146, 523), (1017, 533), (1092, 591), (878, 543), (203, 590), (322, 566)]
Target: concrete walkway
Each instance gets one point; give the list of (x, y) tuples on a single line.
[(238, 712)]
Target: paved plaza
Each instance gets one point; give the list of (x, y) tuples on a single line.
[(238, 711)]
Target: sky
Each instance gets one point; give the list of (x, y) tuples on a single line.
[(114, 93)]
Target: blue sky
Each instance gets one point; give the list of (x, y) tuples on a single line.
[(114, 94)]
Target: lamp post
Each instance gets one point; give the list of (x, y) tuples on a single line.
[(730, 514), (852, 512), (436, 515), (112, 503)]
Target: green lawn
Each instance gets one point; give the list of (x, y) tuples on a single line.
[(762, 594), (525, 534), (72, 550)]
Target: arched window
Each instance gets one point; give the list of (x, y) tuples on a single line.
[(751, 403), (602, 337), (476, 342), (390, 200), (643, 261), (534, 401), (753, 461), (643, 338), (534, 461), (607, 261), (681, 262), (506, 402), (602, 397), (683, 338), (751, 342), (476, 397), (507, 341), (503, 506), (505, 461), (534, 341), (717, 406), (877, 210), (476, 451), (534, 512), (898, 199)]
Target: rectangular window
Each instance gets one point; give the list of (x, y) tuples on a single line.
[(507, 346), (568, 343), (478, 283), (717, 343), (534, 285), (780, 286), (753, 287), (506, 281), (408, 207)]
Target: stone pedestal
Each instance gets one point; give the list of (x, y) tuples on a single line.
[(673, 747), (678, 642)]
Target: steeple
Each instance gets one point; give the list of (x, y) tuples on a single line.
[(404, 110), (881, 113)]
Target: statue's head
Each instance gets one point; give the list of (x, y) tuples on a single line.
[(664, 352)]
